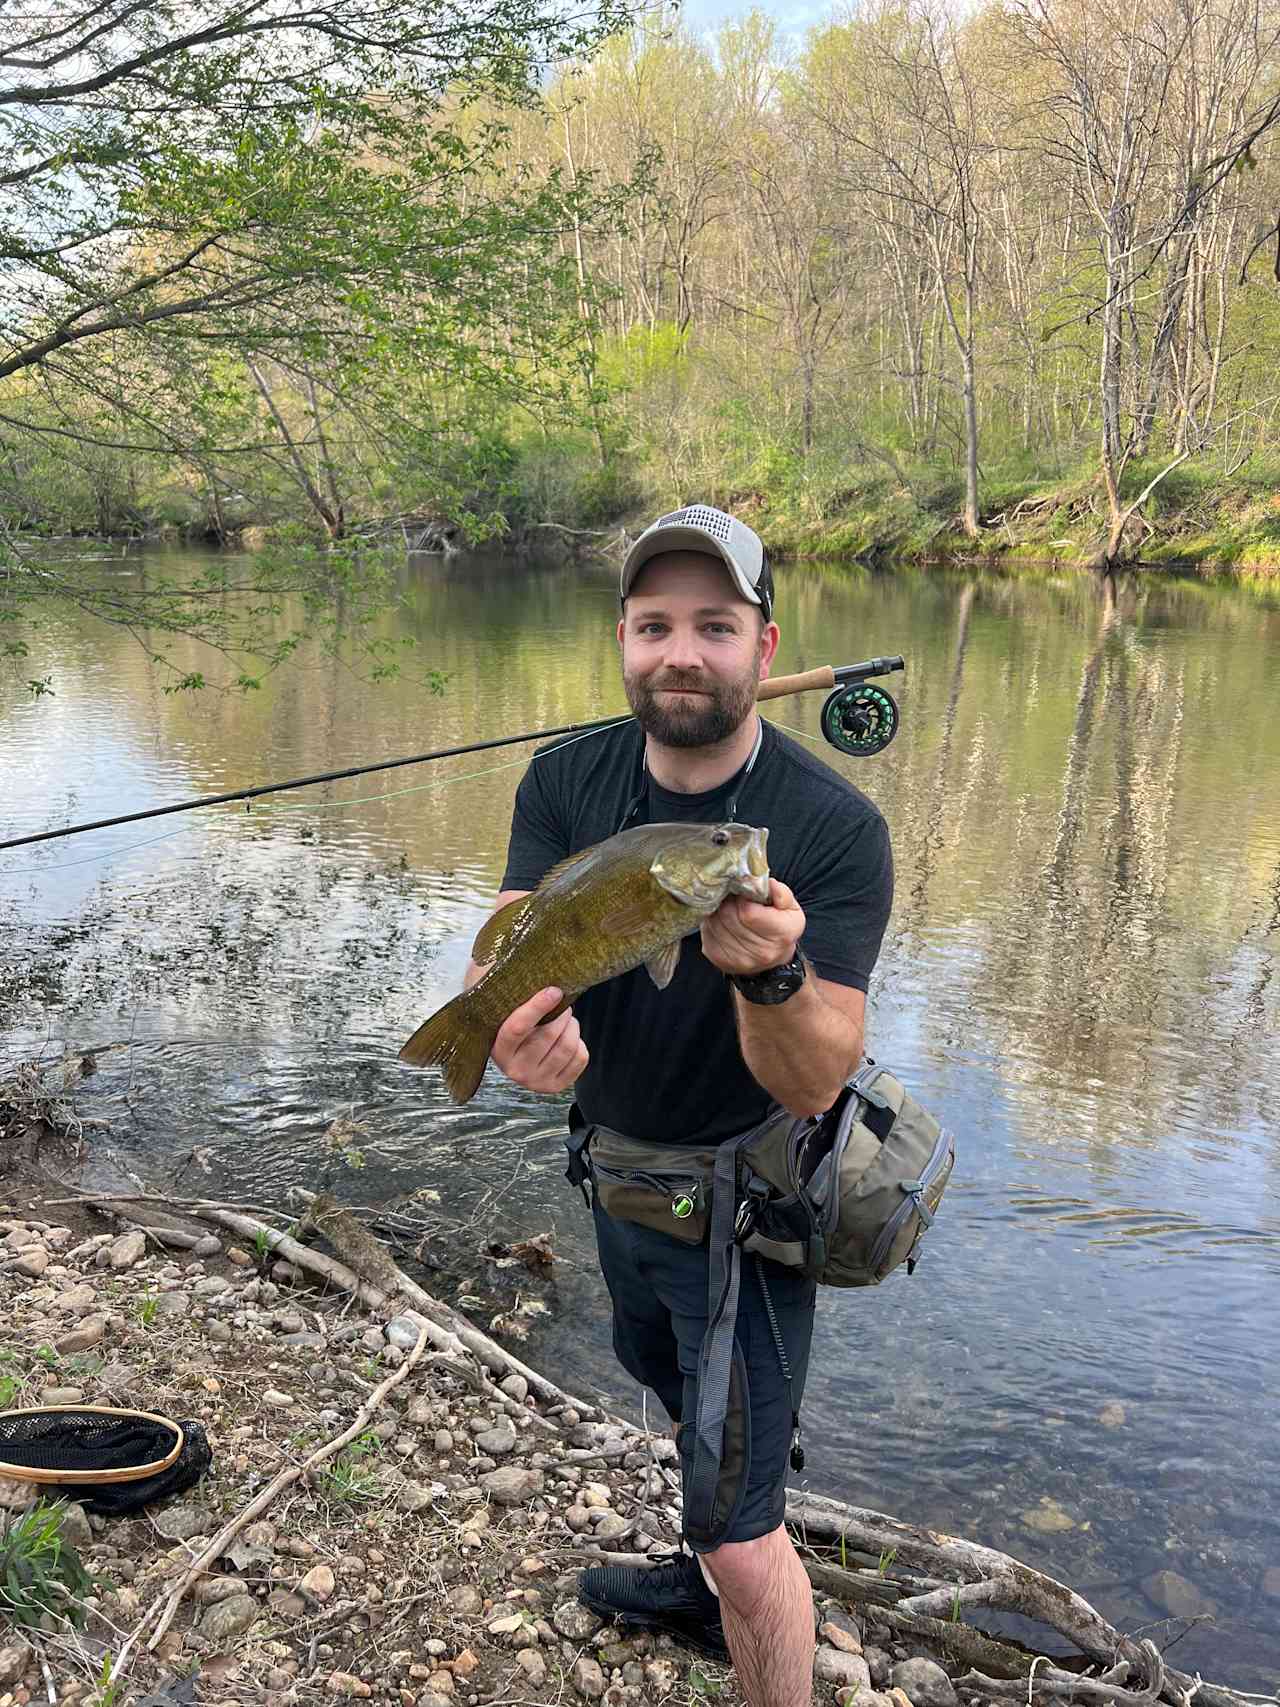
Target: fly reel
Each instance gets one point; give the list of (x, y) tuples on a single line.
[(860, 717)]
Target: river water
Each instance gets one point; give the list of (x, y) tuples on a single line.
[(1080, 971)]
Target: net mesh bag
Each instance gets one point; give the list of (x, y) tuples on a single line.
[(112, 1462)]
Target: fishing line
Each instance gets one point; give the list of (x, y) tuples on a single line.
[(301, 806)]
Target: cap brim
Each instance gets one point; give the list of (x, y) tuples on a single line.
[(677, 538)]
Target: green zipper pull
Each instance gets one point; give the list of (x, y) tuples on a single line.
[(682, 1206)]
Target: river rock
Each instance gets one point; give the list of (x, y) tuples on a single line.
[(401, 1331), (533, 1666), (1112, 1415), (497, 1442), (183, 1522), (515, 1387), (14, 1660), (210, 1590), (228, 1618), (62, 1396), (578, 1518), (464, 1599), (835, 1630), (75, 1529), (32, 1262), (173, 1304), (346, 1683), (124, 1252), (1176, 1596), (511, 1485), (926, 1683), (212, 1286), (318, 1584), (1048, 1518), (588, 1679), (576, 1622), (75, 1302), (83, 1338), (880, 1664), (831, 1666)]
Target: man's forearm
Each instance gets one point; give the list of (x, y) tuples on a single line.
[(801, 1050)]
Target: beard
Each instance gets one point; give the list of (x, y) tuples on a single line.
[(718, 712)]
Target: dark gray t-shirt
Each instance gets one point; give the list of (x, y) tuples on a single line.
[(665, 1064)]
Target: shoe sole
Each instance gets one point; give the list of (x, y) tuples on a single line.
[(699, 1641)]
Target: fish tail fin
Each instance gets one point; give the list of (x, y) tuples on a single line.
[(453, 1041)]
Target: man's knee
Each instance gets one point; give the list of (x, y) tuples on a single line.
[(745, 1572)]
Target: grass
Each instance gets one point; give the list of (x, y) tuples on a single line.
[(40, 1573), (350, 1476)]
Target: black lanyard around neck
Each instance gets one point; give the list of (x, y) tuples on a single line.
[(729, 817)]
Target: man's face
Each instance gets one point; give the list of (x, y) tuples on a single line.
[(693, 651)]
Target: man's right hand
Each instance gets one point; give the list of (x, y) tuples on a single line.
[(543, 1058)]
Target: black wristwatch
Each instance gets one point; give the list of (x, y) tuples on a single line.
[(776, 985)]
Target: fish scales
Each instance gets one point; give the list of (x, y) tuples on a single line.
[(626, 902)]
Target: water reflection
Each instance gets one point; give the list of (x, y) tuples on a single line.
[(1085, 802)]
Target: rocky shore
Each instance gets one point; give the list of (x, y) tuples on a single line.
[(430, 1564)]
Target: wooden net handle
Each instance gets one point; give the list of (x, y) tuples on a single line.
[(86, 1478), (778, 686)]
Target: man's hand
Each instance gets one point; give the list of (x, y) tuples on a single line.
[(743, 937), (541, 1057)]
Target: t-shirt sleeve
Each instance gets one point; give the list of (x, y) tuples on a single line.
[(539, 834), (847, 897)]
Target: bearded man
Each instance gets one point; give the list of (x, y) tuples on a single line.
[(767, 1007)]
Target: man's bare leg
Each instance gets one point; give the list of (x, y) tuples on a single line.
[(766, 1605)]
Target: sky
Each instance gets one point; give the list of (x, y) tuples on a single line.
[(794, 16)]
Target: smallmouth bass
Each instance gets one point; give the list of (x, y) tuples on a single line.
[(626, 902)]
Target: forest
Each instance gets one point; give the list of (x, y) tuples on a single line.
[(931, 280)]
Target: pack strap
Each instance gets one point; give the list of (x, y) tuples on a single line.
[(716, 1357)]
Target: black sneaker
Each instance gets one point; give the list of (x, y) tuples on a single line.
[(672, 1597)]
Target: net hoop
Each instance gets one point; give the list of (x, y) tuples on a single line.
[(89, 1478)]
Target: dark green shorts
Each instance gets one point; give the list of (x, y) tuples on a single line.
[(659, 1290)]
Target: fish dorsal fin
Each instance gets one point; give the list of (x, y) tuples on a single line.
[(563, 867), (661, 967), (497, 932)]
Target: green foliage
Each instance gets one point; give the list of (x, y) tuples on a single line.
[(350, 1476), (148, 1305), (40, 1573)]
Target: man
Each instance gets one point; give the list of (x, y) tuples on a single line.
[(767, 1006)]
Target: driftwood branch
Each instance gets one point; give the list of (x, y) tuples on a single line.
[(163, 1608)]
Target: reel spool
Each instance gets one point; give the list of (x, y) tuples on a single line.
[(860, 719)]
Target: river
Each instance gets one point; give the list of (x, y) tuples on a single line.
[(1080, 971)]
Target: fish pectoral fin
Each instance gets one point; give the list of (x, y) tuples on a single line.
[(661, 967), (628, 920), (496, 932)]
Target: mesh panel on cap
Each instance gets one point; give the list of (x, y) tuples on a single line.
[(715, 522)]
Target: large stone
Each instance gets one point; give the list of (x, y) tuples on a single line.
[(229, 1618), (1048, 1518), (14, 1660), (173, 1304), (1176, 1596), (76, 1301), (497, 1442), (183, 1522), (83, 1338), (128, 1249), (831, 1666), (401, 1331), (840, 1636), (511, 1485), (62, 1396), (318, 1584), (926, 1683), (75, 1529), (576, 1622), (32, 1262), (465, 1599), (588, 1679), (515, 1387), (533, 1666)]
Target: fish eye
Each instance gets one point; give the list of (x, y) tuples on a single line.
[(720, 838)]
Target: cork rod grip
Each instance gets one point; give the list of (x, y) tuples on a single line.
[(778, 686)]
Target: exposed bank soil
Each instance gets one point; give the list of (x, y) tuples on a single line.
[(432, 1561)]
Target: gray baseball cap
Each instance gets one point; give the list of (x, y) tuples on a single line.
[(699, 527)]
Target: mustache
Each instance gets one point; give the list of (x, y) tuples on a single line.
[(674, 683)]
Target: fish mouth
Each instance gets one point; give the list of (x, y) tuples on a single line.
[(753, 878)]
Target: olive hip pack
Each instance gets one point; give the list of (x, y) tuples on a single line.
[(844, 1196)]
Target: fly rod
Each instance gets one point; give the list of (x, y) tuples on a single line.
[(859, 718)]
